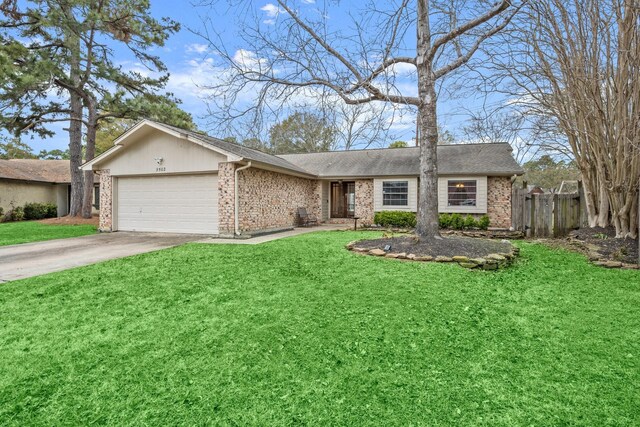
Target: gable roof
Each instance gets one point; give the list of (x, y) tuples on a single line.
[(51, 171), (242, 151), (456, 159)]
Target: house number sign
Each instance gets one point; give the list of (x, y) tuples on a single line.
[(160, 161)]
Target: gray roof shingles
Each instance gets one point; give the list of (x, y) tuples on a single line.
[(51, 171), (242, 151), (462, 159)]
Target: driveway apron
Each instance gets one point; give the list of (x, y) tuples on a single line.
[(34, 259)]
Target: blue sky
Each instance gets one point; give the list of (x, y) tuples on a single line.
[(190, 64)]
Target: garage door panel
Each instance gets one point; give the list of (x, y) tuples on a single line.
[(177, 204)]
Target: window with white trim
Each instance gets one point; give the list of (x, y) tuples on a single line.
[(395, 193), (462, 192), (96, 197)]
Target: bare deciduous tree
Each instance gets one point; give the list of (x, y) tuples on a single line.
[(530, 135), (359, 126), (299, 55), (579, 63)]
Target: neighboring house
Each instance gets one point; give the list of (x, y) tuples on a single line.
[(43, 181), (534, 189), (160, 178)]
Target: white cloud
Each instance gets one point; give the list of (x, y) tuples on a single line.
[(201, 79), (188, 83), (196, 48), (272, 11), (308, 1), (247, 60), (402, 69)]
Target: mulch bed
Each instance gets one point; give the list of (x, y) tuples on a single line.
[(602, 242), (447, 246), (71, 220)]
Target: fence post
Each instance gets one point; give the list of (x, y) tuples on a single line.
[(555, 226), (532, 216), (514, 208), (582, 218)]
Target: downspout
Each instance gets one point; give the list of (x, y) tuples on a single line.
[(236, 201)]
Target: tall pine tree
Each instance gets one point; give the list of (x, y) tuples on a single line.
[(57, 65)]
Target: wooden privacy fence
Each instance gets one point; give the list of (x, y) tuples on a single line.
[(546, 215)]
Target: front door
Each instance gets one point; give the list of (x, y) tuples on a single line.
[(343, 199)]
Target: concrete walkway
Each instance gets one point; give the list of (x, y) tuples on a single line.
[(34, 259), (275, 236)]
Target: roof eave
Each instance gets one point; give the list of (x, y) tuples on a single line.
[(38, 181), (278, 169), (400, 174)]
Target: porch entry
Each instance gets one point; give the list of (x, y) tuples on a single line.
[(343, 199)]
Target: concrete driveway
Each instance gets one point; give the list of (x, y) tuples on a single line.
[(33, 259)]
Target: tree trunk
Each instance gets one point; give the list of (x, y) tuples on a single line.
[(75, 130), (89, 153), (75, 156), (427, 220)]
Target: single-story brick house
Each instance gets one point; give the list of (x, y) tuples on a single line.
[(165, 179), (37, 181)]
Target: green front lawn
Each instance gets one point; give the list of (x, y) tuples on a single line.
[(302, 332), (12, 233)]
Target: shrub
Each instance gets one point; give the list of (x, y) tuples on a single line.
[(1, 213), (453, 221), (483, 222), (52, 210), (469, 222), (444, 220), (395, 219), (39, 211), (457, 222), (15, 214)]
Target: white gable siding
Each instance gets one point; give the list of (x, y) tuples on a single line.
[(325, 194), (412, 197), (178, 156), (481, 195)]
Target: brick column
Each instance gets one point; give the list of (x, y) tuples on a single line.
[(106, 201), (499, 201), (364, 201), (226, 191), (316, 203)]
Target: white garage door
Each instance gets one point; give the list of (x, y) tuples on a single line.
[(171, 204)]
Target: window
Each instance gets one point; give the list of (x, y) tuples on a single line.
[(462, 193), (96, 197), (395, 193)]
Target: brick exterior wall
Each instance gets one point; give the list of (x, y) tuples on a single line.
[(364, 201), (499, 201), (270, 199), (226, 201), (106, 201)]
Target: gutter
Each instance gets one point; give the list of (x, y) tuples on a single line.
[(236, 202)]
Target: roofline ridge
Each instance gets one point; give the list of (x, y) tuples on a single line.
[(388, 148)]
